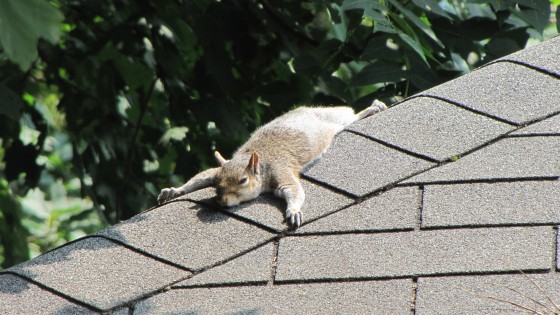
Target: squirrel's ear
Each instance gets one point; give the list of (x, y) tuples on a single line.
[(219, 158), (254, 163)]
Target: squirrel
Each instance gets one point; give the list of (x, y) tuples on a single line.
[(272, 158)]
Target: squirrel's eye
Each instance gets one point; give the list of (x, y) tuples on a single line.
[(243, 181)]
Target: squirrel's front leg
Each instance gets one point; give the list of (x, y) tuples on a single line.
[(201, 180), (293, 193)]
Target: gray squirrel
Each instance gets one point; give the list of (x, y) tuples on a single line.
[(272, 158)]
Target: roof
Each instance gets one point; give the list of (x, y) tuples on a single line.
[(443, 204)]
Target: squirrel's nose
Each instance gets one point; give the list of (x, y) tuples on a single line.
[(228, 201), (223, 201)]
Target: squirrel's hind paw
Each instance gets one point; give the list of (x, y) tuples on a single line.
[(378, 106), (295, 217)]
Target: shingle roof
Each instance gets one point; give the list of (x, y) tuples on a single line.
[(433, 207)]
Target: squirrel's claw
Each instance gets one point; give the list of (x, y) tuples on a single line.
[(295, 217), (167, 194)]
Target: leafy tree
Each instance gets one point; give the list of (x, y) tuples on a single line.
[(105, 102)]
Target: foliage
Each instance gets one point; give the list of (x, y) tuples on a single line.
[(126, 97)]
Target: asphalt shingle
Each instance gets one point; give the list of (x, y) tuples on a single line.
[(491, 204), (510, 158), (188, 234), (99, 272), (361, 171), (431, 127), (269, 210), (473, 294), (543, 56), (18, 296), (369, 297), (253, 267), (402, 254), (393, 210), (516, 93), (549, 126)]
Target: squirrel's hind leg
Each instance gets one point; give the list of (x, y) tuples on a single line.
[(376, 107)]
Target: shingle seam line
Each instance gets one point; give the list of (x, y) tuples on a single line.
[(220, 285), (263, 284), (395, 147), (329, 187), (533, 135), (480, 180), (174, 283), (233, 257), (116, 241), (53, 291), (412, 276), (358, 201), (142, 252), (353, 232), (489, 226), (234, 216), (414, 295), (326, 215), (132, 302), (533, 122), (213, 207), (429, 228), (556, 256), (274, 261), (428, 94), (420, 211), (523, 64)]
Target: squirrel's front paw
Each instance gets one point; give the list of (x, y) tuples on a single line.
[(295, 217), (167, 194)]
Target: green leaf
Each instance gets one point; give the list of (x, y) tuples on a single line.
[(306, 64), (409, 37), (355, 4), (379, 72), (414, 44), (375, 11), (431, 6), (384, 27), (421, 75), (22, 23), (416, 21), (535, 12), (456, 63), (506, 43), (379, 47), (175, 133), (361, 4), (136, 74), (497, 5)]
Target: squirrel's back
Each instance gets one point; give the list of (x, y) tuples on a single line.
[(299, 136)]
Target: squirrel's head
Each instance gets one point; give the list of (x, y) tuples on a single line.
[(238, 181)]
